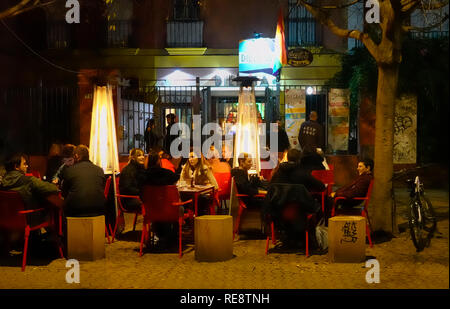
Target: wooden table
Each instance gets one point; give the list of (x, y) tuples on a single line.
[(196, 191)]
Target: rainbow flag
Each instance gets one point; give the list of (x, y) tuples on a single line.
[(280, 45)]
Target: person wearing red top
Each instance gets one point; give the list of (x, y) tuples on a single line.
[(358, 188)]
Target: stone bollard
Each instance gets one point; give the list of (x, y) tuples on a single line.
[(347, 239), (86, 238), (213, 238)]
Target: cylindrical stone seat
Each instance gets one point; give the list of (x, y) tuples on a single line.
[(213, 238), (347, 239), (86, 238)]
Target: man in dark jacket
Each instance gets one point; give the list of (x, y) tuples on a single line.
[(83, 187), (33, 191), (168, 139), (150, 137), (358, 188), (310, 135), (292, 172), (245, 184)]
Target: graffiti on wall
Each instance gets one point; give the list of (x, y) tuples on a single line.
[(405, 130)]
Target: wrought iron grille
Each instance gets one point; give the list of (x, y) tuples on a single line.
[(302, 27), (31, 119)]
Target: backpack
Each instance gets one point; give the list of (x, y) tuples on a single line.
[(322, 235)]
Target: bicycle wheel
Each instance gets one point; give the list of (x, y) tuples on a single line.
[(416, 225), (429, 216)]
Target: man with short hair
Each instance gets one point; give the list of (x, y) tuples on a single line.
[(83, 186), (358, 188), (32, 190), (310, 135), (168, 139)]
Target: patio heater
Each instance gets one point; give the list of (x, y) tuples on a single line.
[(103, 142), (247, 130)]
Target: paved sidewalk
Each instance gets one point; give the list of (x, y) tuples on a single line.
[(401, 267)]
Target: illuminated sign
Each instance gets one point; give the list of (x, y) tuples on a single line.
[(256, 56)]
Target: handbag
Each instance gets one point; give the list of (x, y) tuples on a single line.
[(322, 234)]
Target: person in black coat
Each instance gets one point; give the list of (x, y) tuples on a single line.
[(294, 173), (155, 175), (245, 184), (131, 179), (83, 187), (150, 137)]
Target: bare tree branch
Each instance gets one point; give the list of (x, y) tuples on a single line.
[(424, 29), (24, 6), (324, 18), (435, 5), (329, 7)]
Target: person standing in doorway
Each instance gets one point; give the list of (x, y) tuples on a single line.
[(311, 134), (168, 139)]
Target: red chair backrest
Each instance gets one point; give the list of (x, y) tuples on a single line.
[(267, 174), (224, 183), (325, 176), (122, 165), (34, 173), (167, 165), (158, 203), (10, 204), (369, 194), (107, 186)]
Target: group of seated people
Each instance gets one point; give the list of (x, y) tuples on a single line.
[(82, 184)]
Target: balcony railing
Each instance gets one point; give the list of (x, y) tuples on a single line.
[(119, 33), (428, 35), (185, 34), (58, 35)]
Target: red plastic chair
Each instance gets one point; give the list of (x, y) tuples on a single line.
[(107, 187), (34, 173), (224, 183), (363, 212), (289, 212), (122, 165), (162, 204), (327, 177), (121, 209), (242, 207), (266, 173), (167, 165), (13, 218)]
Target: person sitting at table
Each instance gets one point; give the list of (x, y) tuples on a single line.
[(53, 161), (131, 178), (66, 161), (311, 159), (357, 188), (155, 175), (83, 187), (245, 185), (33, 191), (293, 172), (197, 172)]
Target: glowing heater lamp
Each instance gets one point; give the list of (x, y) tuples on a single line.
[(103, 142), (247, 131)]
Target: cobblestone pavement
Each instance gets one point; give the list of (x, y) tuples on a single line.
[(401, 267)]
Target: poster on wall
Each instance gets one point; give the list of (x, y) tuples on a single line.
[(405, 130), (295, 112), (338, 119)]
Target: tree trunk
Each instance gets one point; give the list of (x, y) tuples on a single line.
[(381, 205)]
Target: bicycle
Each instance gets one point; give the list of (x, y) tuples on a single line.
[(422, 219)]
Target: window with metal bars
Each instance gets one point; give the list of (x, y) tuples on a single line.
[(302, 27), (186, 10)]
